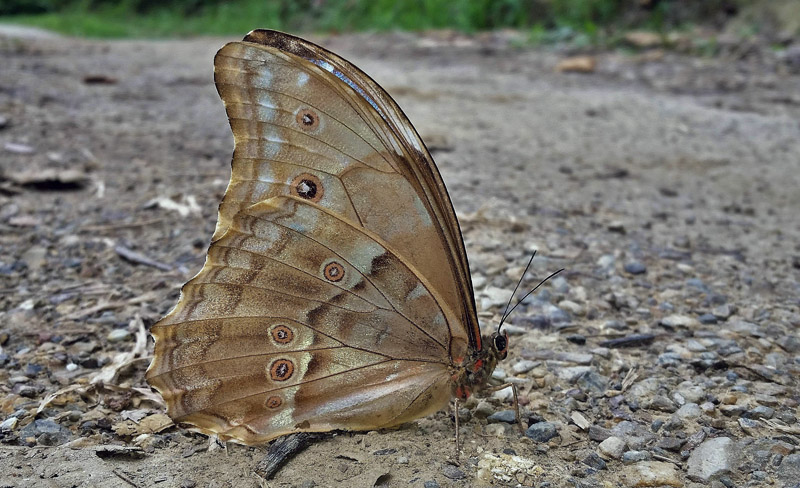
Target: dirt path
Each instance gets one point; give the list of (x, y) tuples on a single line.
[(666, 185)]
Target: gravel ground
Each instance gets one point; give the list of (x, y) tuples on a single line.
[(667, 354)]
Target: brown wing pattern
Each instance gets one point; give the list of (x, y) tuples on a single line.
[(300, 113), (302, 321), (336, 292)]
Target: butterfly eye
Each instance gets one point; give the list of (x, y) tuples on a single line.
[(501, 345)]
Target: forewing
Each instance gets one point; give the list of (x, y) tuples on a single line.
[(310, 124)]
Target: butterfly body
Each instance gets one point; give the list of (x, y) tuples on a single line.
[(336, 292)]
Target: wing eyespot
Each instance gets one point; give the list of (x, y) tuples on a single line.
[(307, 187), (281, 370), (282, 334), (307, 119), (334, 271), (273, 402)]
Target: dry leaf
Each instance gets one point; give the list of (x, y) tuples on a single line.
[(577, 64), (643, 39)]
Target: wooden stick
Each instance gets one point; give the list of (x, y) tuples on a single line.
[(282, 450)]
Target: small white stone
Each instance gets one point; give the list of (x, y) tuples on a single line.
[(572, 307), (8, 424), (118, 335), (613, 447), (497, 297), (523, 366)]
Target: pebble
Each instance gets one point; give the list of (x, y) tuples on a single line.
[(712, 458), (594, 461), (453, 472), (523, 366), (430, 484), (635, 456), (542, 432), (572, 308), (635, 268), (118, 335), (689, 411), (555, 315), (707, 319), (483, 409), (676, 321), (8, 424), (496, 297), (18, 148), (613, 447), (722, 312), (652, 473), (760, 412), (789, 471), (46, 432), (507, 416)]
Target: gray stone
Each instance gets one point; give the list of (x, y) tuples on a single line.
[(691, 392), (635, 456), (46, 432), (522, 367), (760, 412), (452, 472), (593, 382), (506, 416), (689, 411), (789, 472), (594, 461), (707, 318), (713, 458), (662, 403), (722, 312), (635, 268), (483, 409), (542, 432)]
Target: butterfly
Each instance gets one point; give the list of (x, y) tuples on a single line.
[(336, 293)]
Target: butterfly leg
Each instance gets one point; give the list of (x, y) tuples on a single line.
[(516, 402), (455, 414)]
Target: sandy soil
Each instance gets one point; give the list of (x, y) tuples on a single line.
[(689, 166)]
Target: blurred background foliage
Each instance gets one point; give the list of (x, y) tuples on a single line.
[(593, 19)]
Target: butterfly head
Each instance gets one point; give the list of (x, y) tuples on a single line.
[(499, 341)]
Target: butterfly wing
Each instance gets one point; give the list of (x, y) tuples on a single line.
[(301, 113), (302, 321), (336, 291)]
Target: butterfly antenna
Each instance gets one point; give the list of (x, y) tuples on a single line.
[(505, 315), (516, 288)]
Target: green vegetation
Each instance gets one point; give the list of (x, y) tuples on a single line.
[(546, 19)]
